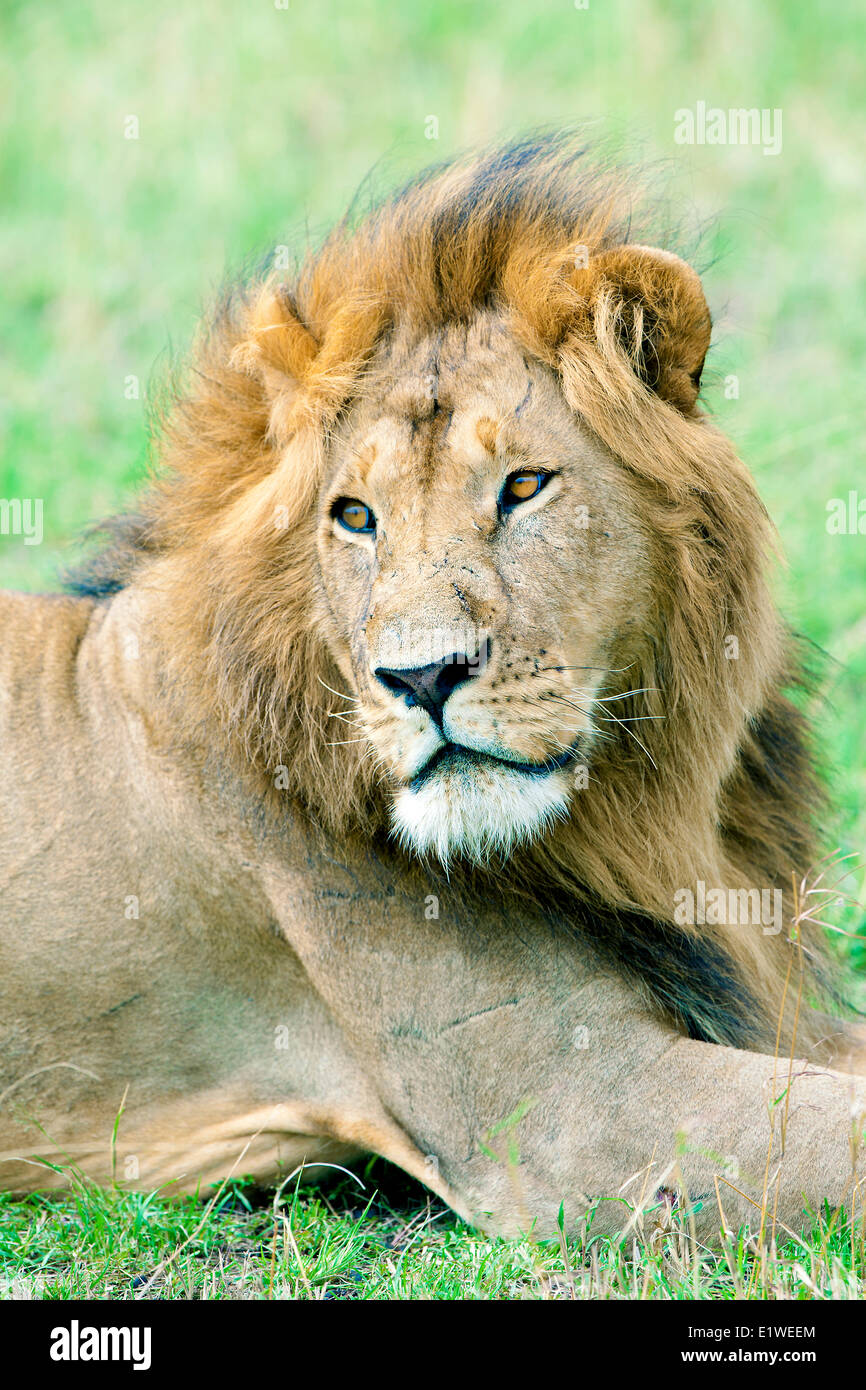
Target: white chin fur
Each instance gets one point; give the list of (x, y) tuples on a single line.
[(476, 812)]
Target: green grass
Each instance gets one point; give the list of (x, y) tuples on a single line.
[(387, 1240), (255, 126)]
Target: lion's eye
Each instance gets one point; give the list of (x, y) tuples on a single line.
[(520, 487), (354, 515)]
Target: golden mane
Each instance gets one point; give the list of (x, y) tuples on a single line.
[(722, 790)]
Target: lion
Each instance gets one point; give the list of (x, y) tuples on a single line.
[(413, 772)]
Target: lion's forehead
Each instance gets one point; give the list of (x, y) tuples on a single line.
[(446, 410)]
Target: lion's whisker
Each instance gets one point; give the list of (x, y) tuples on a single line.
[(629, 718), (611, 670), (349, 716), (611, 719), (614, 720), (640, 690), (341, 693)]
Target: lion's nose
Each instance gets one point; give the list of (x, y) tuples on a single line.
[(429, 686)]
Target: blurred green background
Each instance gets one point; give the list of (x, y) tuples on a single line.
[(256, 122)]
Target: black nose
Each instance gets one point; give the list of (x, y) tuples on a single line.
[(430, 686)]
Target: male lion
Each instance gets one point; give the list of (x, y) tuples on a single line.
[(413, 773)]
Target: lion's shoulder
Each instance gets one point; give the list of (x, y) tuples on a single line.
[(40, 630)]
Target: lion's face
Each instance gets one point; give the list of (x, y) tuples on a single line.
[(485, 577)]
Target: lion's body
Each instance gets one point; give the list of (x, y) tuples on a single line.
[(202, 908), (145, 890)]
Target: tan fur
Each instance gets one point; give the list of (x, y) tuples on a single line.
[(206, 781)]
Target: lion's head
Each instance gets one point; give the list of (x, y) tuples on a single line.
[(472, 400), (444, 540), (487, 585)]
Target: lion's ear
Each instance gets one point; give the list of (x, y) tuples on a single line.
[(279, 348), (654, 305)]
